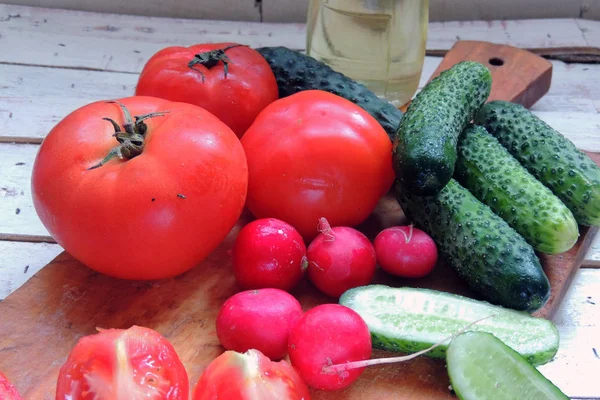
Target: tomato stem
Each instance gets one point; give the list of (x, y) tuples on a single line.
[(211, 58), (130, 138), (337, 368)]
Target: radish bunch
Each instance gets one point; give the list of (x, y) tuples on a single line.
[(329, 345)]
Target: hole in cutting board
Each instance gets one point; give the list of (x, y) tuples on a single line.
[(496, 61)]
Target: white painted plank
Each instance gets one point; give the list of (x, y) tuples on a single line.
[(17, 212), (575, 368), (34, 99), (40, 36), (582, 305), (119, 42), (592, 257), (20, 261), (296, 10)]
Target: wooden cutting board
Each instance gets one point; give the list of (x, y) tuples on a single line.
[(41, 321)]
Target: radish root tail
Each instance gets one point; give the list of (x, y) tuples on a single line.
[(337, 368)]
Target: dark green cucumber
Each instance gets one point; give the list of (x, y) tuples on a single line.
[(425, 145), (296, 72), (549, 156), (410, 319), (497, 179), (489, 255), (482, 367)]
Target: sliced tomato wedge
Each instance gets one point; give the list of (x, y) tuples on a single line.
[(116, 364), (7, 390), (250, 376)]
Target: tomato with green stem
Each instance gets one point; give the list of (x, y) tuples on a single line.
[(140, 188), (232, 81)]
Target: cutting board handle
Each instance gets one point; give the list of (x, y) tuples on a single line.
[(517, 75)]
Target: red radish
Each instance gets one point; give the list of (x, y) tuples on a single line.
[(326, 335), (258, 319), (249, 376), (362, 364), (269, 253), (339, 259), (405, 251)]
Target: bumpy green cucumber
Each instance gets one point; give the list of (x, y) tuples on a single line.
[(482, 367), (425, 145), (489, 255), (497, 179), (410, 319), (295, 72), (549, 156)]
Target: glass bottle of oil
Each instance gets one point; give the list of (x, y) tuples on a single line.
[(380, 43)]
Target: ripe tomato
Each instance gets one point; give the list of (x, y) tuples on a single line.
[(115, 364), (151, 216), (250, 376), (315, 154), (232, 81), (7, 390), (269, 253)]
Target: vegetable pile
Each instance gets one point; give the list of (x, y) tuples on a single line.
[(146, 187)]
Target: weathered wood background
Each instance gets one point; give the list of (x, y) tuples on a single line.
[(295, 10), (53, 61)]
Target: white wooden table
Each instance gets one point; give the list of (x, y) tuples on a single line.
[(54, 61)]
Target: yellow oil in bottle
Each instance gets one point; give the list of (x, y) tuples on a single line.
[(380, 43)]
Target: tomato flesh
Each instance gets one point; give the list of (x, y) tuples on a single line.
[(137, 363), (250, 376), (7, 390)]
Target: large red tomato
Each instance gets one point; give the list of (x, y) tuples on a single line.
[(173, 190), (115, 364), (313, 155), (250, 376), (232, 81)]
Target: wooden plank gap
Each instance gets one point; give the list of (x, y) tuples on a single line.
[(581, 55), (69, 67), (21, 139), (12, 237)]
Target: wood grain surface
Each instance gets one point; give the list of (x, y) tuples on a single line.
[(518, 75), (65, 300)]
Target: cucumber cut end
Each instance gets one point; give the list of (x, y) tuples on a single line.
[(482, 367)]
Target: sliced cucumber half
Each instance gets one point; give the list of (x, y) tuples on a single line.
[(410, 319), (482, 367)]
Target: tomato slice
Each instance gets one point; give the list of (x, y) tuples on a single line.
[(250, 376), (7, 390), (115, 364)]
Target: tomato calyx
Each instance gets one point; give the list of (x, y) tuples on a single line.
[(130, 138), (211, 58)]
